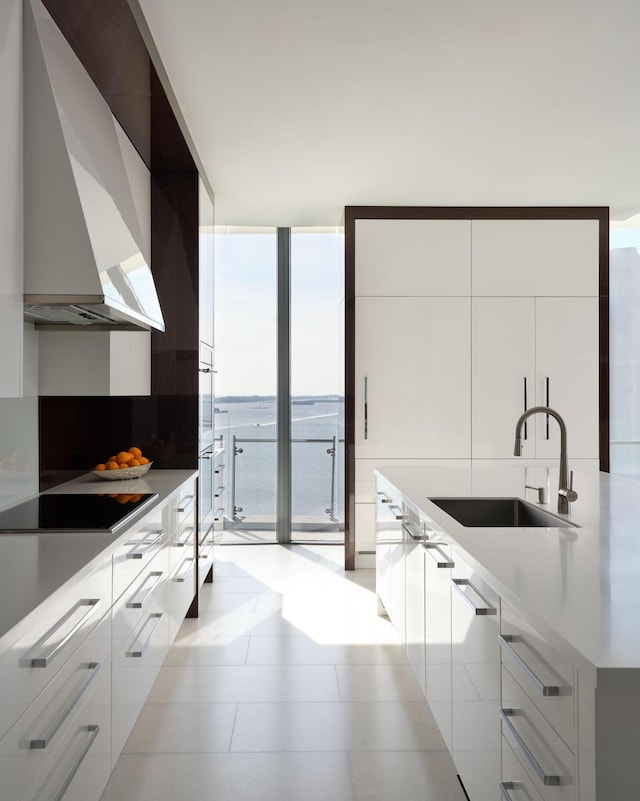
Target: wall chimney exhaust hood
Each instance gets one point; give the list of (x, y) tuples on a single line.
[(87, 206)]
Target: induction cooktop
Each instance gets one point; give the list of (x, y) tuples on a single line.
[(58, 513)]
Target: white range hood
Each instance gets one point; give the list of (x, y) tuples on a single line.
[(87, 196)]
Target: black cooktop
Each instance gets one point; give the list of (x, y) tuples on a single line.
[(73, 512)]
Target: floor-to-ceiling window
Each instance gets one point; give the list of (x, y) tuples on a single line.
[(317, 384), (624, 289), (245, 355), (279, 383)]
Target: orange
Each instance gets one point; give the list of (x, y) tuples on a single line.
[(135, 451), (123, 498), (112, 465), (111, 459), (123, 465), (100, 467), (143, 460), (134, 463), (123, 457)]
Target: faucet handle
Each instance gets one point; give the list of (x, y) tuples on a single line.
[(568, 492), (542, 492)]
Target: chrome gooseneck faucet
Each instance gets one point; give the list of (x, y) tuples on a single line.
[(566, 493)]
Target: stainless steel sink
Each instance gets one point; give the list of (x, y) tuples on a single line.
[(499, 512)]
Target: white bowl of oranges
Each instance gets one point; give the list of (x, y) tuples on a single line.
[(126, 464)]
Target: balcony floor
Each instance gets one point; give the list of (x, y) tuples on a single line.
[(287, 686)]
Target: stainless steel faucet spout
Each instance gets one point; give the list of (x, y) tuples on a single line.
[(566, 493)]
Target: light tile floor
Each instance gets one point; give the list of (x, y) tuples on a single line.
[(288, 686)]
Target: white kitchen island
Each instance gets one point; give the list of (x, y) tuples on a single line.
[(562, 660)]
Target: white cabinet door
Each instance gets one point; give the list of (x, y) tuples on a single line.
[(415, 611), (365, 532), (567, 360), (413, 378), (535, 352), (475, 672), (438, 566), (413, 257), (11, 291), (503, 346), (535, 257)]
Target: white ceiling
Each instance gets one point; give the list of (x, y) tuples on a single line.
[(300, 107)]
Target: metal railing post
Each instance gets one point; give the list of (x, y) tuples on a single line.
[(331, 510)]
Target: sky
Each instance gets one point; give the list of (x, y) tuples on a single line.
[(245, 313)]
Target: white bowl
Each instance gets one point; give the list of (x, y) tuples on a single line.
[(122, 473)]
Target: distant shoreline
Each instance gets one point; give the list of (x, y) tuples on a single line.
[(298, 399)]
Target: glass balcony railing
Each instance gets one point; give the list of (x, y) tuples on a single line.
[(316, 499)]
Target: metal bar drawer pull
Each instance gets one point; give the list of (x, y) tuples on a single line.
[(487, 609), (186, 540), (506, 786), (442, 560), (143, 547), (43, 742), (186, 503), (544, 689), (548, 779), (179, 577), (139, 597), (205, 536), (29, 660), (94, 731), (153, 619)]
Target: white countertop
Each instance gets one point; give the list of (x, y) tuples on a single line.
[(579, 584), (34, 566)]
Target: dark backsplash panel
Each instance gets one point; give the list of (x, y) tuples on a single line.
[(78, 432)]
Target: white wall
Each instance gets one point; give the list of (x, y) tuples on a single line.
[(18, 342), (19, 431)]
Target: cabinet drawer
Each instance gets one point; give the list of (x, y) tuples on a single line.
[(79, 768), (64, 622), (206, 551), (540, 669), (135, 553), (544, 756), (134, 670), (178, 593), (516, 784), (28, 745), (139, 597)]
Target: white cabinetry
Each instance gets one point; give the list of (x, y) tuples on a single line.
[(415, 610), (139, 622), (438, 565), (567, 363), (413, 257), (205, 253), (413, 375), (535, 257), (475, 674), (462, 324), (11, 302), (55, 711), (535, 352)]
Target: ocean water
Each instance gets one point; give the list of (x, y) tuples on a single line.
[(317, 476)]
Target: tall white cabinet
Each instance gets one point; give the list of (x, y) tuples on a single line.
[(464, 318), (412, 357)]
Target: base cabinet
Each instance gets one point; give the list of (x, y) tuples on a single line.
[(438, 565), (475, 676)]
